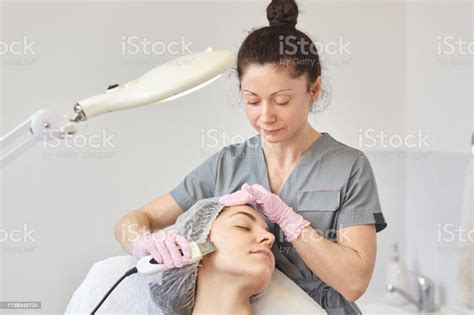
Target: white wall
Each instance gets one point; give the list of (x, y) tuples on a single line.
[(441, 86), (390, 82)]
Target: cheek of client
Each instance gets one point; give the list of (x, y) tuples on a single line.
[(243, 256)]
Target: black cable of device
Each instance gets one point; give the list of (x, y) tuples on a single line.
[(128, 273)]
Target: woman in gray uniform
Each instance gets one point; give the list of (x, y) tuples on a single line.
[(324, 192)]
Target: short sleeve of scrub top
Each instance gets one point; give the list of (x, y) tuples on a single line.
[(332, 186), (361, 204), (197, 185)]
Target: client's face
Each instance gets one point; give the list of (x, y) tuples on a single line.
[(243, 246)]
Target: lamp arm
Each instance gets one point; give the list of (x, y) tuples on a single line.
[(42, 125)]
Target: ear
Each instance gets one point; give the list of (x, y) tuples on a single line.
[(315, 89)]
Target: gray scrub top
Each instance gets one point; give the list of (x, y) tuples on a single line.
[(332, 186)]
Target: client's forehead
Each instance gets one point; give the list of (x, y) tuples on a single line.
[(244, 210), (229, 211)]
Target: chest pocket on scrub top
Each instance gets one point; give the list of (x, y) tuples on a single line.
[(319, 207)]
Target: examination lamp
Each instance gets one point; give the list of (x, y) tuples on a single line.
[(168, 81)]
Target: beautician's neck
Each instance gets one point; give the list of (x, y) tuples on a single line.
[(220, 296), (286, 153)]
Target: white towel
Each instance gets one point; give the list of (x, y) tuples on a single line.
[(465, 281), (132, 296)]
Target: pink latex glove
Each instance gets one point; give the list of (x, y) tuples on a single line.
[(163, 246), (275, 209)]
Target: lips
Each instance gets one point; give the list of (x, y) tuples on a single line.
[(263, 251), (270, 131)]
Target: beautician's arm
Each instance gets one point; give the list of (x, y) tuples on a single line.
[(157, 214), (347, 265)]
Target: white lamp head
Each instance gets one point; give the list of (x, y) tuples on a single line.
[(168, 81)]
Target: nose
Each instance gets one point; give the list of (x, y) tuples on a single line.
[(267, 114), (267, 238)]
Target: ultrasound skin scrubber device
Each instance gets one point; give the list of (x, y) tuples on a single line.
[(147, 265)]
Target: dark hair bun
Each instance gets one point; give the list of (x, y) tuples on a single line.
[(282, 13)]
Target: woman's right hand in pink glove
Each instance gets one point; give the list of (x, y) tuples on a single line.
[(163, 246)]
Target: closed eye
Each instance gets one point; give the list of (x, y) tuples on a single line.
[(281, 104), (243, 227)]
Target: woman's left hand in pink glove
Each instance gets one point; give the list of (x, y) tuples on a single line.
[(275, 209)]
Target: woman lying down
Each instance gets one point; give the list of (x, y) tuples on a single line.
[(226, 281)]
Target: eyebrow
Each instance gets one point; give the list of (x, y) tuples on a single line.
[(251, 217), (270, 93)]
